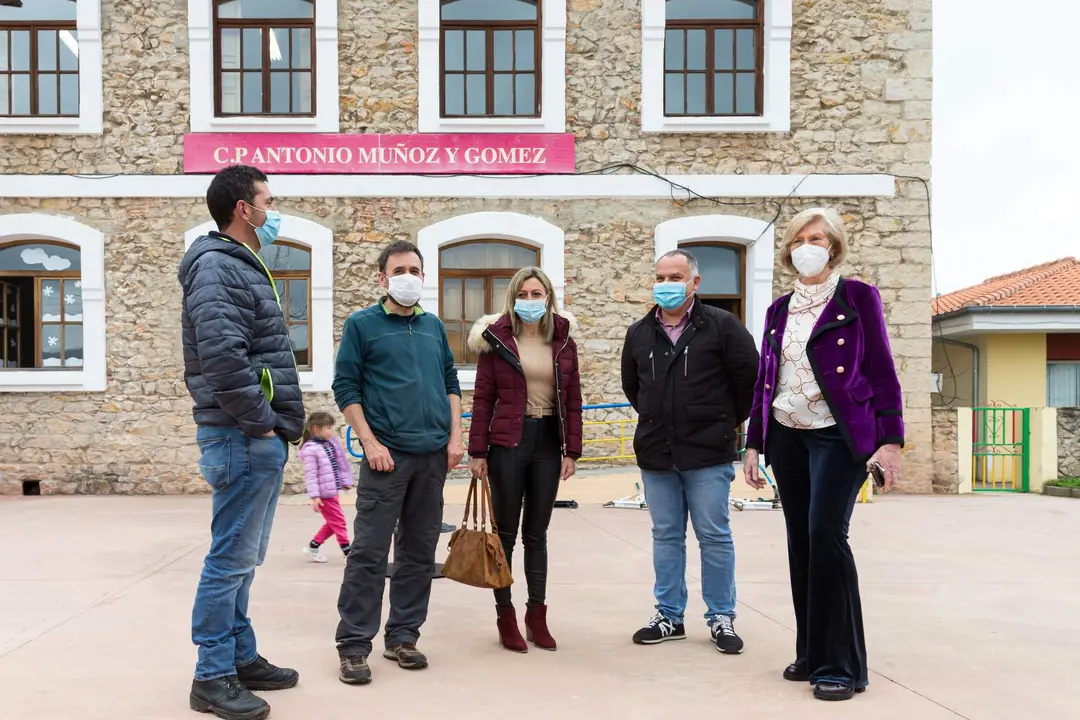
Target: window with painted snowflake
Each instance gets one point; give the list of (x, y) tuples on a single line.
[(42, 309)]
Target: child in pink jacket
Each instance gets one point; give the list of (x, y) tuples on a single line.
[(326, 472)]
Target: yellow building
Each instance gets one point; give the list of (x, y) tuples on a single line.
[(1009, 347)]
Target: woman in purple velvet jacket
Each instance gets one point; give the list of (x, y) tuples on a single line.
[(827, 404)]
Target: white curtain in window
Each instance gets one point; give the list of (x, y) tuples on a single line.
[(1063, 384)]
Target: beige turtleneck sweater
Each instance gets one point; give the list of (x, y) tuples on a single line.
[(539, 367)]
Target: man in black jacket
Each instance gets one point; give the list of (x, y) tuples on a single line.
[(689, 370), (240, 371)]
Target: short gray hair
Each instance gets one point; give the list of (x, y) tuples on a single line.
[(834, 227), (690, 260)]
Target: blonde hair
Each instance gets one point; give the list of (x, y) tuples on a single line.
[(834, 229), (547, 323)]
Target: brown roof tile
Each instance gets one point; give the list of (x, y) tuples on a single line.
[(1052, 283)]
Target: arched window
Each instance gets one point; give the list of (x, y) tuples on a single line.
[(474, 277), (718, 242), (290, 264), (722, 267), (491, 58), (41, 287), (302, 264), (713, 58)]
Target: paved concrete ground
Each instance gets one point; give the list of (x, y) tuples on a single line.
[(972, 610)]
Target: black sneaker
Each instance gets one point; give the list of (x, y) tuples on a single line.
[(355, 670), (227, 698), (659, 630), (262, 675), (723, 632), (406, 656)]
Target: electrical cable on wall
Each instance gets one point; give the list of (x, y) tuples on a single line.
[(683, 195)]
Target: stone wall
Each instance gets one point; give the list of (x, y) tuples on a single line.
[(138, 435), (860, 88), (944, 458), (1068, 442)]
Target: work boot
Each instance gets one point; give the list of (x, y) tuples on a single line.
[(261, 675), (227, 698)]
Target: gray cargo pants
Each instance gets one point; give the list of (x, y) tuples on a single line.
[(411, 497)]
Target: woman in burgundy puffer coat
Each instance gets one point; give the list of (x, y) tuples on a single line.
[(526, 433)]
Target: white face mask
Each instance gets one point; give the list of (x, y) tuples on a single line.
[(809, 260), (405, 289)]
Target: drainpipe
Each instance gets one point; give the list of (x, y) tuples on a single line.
[(974, 364)]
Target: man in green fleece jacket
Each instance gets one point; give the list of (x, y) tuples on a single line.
[(397, 386)]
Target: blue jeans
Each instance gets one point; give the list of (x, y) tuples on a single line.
[(245, 474), (702, 493)]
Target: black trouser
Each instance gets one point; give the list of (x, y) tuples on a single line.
[(413, 492), (526, 475), (819, 481)]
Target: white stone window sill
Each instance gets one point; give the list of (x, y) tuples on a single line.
[(50, 126), (267, 125), (493, 125), (715, 125), (467, 379), (50, 381), (312, 381)]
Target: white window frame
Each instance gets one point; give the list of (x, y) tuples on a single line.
[(91, 102), (91, 376), (320, 241), (201, 59), (776, 115), (757, 236), (552, 78), (1070, 363), (532, 231)]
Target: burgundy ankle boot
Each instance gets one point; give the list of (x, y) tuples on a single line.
[(509, 634), (536, 628)]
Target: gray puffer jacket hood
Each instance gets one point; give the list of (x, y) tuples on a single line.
[(238, 360)]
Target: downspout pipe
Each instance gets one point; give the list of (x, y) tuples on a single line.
[(974, 364)]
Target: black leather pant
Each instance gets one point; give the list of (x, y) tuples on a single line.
[(526, 477)]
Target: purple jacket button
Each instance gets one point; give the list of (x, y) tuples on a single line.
[(840, 341), (840, 369), (839, 317), (768, 387)]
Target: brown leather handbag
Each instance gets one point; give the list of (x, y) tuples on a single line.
[(476, 554)]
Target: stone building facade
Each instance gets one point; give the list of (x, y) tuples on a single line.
[(843, 119)]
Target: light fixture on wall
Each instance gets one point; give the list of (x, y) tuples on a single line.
[(935, 382)]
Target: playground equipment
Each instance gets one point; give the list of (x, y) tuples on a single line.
[(760, 503)]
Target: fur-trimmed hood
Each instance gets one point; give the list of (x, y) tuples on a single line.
[(479, 343)]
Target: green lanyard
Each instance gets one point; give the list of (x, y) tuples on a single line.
[(277, 297)]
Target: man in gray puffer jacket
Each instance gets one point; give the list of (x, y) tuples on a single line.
[(240, 371)]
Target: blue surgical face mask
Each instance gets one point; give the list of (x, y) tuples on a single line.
[(530, 311), (669, 295), (268, 231)]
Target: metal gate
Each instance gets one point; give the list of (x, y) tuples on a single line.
[(1000, 448)]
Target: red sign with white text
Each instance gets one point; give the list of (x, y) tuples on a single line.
[(381, 154)]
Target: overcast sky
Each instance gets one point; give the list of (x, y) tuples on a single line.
[(1006, 136)]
